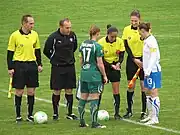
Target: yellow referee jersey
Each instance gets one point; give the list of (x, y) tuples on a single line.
[(110, 49), (24, 45), (133, 38)]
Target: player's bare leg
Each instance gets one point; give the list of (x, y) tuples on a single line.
[(69, 98), (55, 101), (116, 95), (18, 100), (30, 102)]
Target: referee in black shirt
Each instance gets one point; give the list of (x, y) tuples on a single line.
[(59, 48)]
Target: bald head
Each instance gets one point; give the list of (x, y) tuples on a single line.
[(65, 26)]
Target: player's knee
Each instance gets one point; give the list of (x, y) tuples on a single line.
[(84, 96), (19, 92), (56, 92), (30, 93), (144, 89), (130, 90), (115, 91), (68, 91), (94, 96), (154, 92), (148, 93)]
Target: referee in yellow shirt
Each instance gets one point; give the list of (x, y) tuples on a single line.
[(113, 48), (134, 48), (24, 63)]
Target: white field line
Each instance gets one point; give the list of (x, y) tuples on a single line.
[(129, 121)]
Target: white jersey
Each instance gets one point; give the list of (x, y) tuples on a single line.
[(151, 56)]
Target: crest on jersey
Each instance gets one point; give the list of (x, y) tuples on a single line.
[(21, 45), (106, 51), (129, 38), (71, 39), (86, 66)]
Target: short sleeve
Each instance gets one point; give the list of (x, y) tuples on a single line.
[(12, 43), (122, 48), (99, 51), (37, 44), (124, 35)]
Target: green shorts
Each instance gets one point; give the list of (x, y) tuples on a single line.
[(91, 87)]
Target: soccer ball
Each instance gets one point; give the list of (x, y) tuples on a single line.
[(103, 115), (40, 117)]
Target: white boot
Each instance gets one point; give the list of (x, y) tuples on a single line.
[(155, 111), (152, 121)]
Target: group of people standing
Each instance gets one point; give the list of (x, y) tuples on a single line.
[(106, 56), (100, 63)]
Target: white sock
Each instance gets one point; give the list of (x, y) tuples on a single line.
[(155, 108), (149, 105)]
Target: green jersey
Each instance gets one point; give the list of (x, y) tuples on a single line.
[(89, 51)]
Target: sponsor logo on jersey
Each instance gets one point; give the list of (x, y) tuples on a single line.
[(86, 66), (106, 51)]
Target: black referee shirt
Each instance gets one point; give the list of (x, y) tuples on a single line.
[(60, 48)]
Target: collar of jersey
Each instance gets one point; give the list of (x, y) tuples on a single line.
[(20, 30), (134, 28), (61, 33), (107, 40), (148, 36)]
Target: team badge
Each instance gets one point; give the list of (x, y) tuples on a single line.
[(21, 45), (71, 39), (105, 51), (86, 66)]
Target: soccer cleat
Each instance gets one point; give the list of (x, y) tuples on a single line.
[(117, 117), (83, 125), (145, 120), (128, 115), (30, 119), (55, 117), (72, 117), (143, 115), (97, 125), (18, 119), (152, 122)]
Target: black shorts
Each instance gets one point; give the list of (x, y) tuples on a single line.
[(131, 69), (25, 74), (63, 77), (112, 75)]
